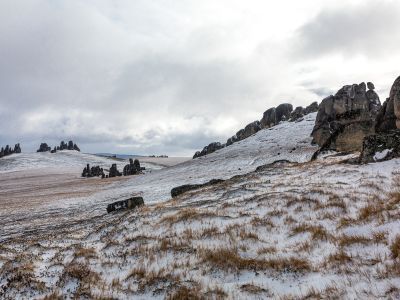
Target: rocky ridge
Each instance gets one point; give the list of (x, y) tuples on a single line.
[(271, 117), (7, 150)]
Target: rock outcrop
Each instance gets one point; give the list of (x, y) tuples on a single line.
[(114, 171), (43, 148), (132, 168), (274, 116), (389, 115), (380, 147), (95, 171), (271, 117), (209, 149), (343, 120), (7, 150), (63, 146)]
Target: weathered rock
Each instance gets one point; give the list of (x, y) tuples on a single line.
[(380, 147), (269, 118), (273, 116), (249, 130), (114, 171), (209, 149), (176, 191), (370, 86), (345, 119), (7, 150), (313, 107), (43, 148), (54, 150), (132, 168), (297, 114), (95, 171), (130, 203), (76, 148)]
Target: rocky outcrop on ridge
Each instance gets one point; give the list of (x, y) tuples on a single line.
[(95, 171), (343, 120), (176, 191), (271, 117), (63, 146), (7, 150)]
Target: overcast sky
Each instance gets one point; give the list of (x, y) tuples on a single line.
[(170, 76)]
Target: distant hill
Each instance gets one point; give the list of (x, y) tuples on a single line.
[(121, 156)]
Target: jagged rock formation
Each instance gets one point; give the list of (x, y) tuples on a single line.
[(389, 115), (385, 144), (271, 117), (274, 116), (132, 168), (380, 147), (344, 119), (7, 150), (93, 171), (299, 112), (209, 149), (43, 148), (63, 146), (114, 171)]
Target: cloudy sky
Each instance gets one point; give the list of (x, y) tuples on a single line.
[(170, 76)]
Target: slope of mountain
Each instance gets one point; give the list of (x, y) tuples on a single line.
[(294, 229)]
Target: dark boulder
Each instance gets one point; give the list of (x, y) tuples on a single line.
[(114, 171), (130, 203), (269, 118), (343, 120), (297, 114), (313, 107), (176, 191), (95, 171), (17, 148), (389, 115), (7, 150), (44, 148), (132, 168), (274, 116), (380, 147)]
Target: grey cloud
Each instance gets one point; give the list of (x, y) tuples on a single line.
[(369, 28)]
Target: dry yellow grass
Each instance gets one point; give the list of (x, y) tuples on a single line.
[(229, 259), (395, 247)]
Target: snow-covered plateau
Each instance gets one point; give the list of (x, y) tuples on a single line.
[(292, 229)]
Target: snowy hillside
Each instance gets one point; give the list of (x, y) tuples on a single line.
[(299, 230)]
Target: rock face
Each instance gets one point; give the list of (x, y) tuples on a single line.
[(5, 151), (130, 203), (132, 168), (209, 149), (43, 148), (389, 115), (380, 147), (274, 116), (176, 191), (343, 120), (299, 112)]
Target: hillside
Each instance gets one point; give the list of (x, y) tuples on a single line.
[(290, 230)]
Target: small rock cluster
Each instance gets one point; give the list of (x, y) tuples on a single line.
[(132, 168), (95, 171), (114, 171), (63, 146), (271, 117), (7, 150)]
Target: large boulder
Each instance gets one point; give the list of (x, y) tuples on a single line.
[(389, 115), (297, 114), (249, 130), (343, 120), (114, 171), (130, 203), (273, 116), (313, 107), (132, 168)]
